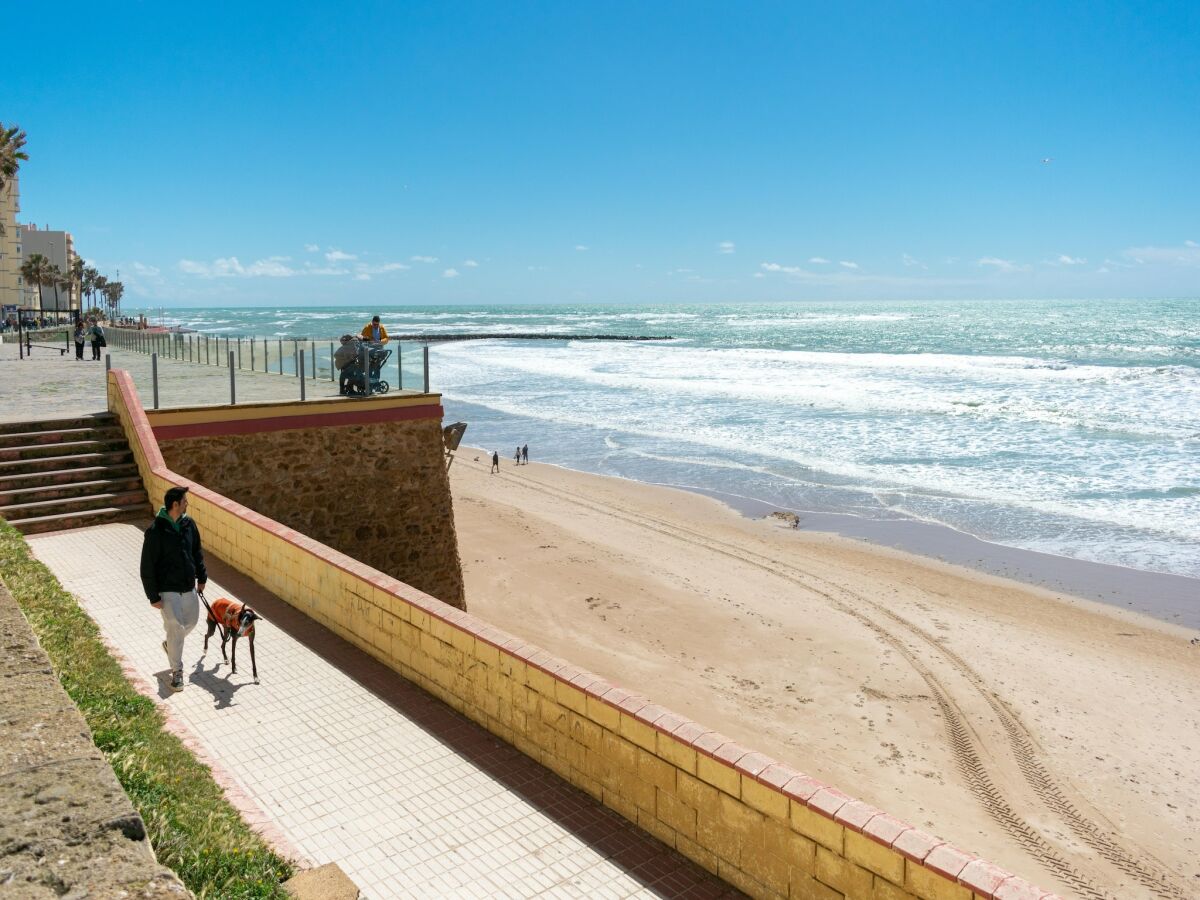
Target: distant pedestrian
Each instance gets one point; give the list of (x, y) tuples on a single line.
[(495, 461), (98, 341), (172, 571), (80, 339), (525, 454), (517, 455)]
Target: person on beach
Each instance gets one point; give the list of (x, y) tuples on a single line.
[(374, 332), (525, 454), (172, 572), (97, 335), (80, 338), (517, 455), (495, 461)]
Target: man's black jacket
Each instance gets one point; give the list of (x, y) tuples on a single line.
[(171, 558)]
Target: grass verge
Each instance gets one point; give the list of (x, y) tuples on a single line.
[(193, 829)]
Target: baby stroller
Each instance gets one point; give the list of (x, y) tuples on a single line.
[(377, 357)]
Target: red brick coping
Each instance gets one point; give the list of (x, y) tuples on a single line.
[(955, 872), (282, 423)]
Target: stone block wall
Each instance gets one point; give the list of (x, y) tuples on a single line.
[(377, 492), (67, 828)]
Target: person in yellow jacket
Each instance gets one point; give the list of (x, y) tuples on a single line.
[(375, 332)]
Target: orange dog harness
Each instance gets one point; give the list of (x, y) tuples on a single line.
[(226, 612)]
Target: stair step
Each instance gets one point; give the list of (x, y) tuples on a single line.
[(72, 504), (68, 491), (63, 522), (99, 419), (78, 460), (25, 480), (65, 448), (34, 438)]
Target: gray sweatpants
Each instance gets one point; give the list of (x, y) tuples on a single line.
[(180, 613)]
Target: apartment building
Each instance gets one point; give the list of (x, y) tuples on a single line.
[(59, 248), (12, 289)]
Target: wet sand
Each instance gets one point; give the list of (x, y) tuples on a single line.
[(1052, 734)]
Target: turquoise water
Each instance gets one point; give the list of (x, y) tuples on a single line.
[(1067, 427)]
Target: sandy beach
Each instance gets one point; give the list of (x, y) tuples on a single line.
[(1054, 735)]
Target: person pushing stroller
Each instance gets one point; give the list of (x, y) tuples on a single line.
[(345, 359)]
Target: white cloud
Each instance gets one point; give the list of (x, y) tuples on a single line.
[(726, 247), (1064, 260), (581, 247), (385, 267), (1001, 265), (846, 264), (424, 259), (362, 276), (911, 261), (1188, 254), (311, 248), (231, 267), (787, 270), (335, 255), (759, 275), (450, 273), (470, 264), (146, 270), (818, 260)]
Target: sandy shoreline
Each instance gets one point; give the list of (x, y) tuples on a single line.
[(978, 707)]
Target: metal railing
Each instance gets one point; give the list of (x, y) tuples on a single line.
[(306, 359)]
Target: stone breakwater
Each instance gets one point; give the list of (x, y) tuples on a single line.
[(526, 336)]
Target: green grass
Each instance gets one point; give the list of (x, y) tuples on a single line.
[(192, 828)]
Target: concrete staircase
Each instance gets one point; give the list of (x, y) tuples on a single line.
[(68, 473)]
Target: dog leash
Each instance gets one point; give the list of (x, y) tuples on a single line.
[(213, 615)]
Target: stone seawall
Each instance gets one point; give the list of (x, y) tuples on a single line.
[(66, 825), (377, 492)]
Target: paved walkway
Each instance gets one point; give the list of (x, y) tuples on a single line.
[(354, 765), (49, 386)]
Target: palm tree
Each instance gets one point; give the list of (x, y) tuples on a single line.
[(77, 269), (101, 286), (89, 284), (115, 290), (54, 278), (66, 282), (36, 270)]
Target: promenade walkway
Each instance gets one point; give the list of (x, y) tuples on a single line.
[(50, 386), (338, 759)]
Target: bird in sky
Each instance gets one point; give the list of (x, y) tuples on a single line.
[(1046, 160)]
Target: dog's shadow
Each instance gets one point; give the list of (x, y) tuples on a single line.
[(220, 686)]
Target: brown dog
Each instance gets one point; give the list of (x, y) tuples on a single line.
[(235, 620)]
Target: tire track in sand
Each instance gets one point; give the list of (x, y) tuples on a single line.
[(963, 743)]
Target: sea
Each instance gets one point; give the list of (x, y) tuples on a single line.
[(1066, 427)]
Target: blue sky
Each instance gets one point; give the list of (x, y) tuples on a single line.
[(268, 153)]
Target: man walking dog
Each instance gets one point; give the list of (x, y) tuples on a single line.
[(172, 570)]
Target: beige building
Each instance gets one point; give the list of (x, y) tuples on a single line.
[(12, 290), (59, 248)]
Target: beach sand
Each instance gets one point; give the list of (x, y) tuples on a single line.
[(1055, 736)]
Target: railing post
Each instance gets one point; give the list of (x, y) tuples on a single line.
[(239, 340), (399, 368), (296, 356), (232, 380), (366, 367), (281, 356), (107, 366), (426, 355), (331, 375), (252, 342), (301, 374), (154, 376)]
